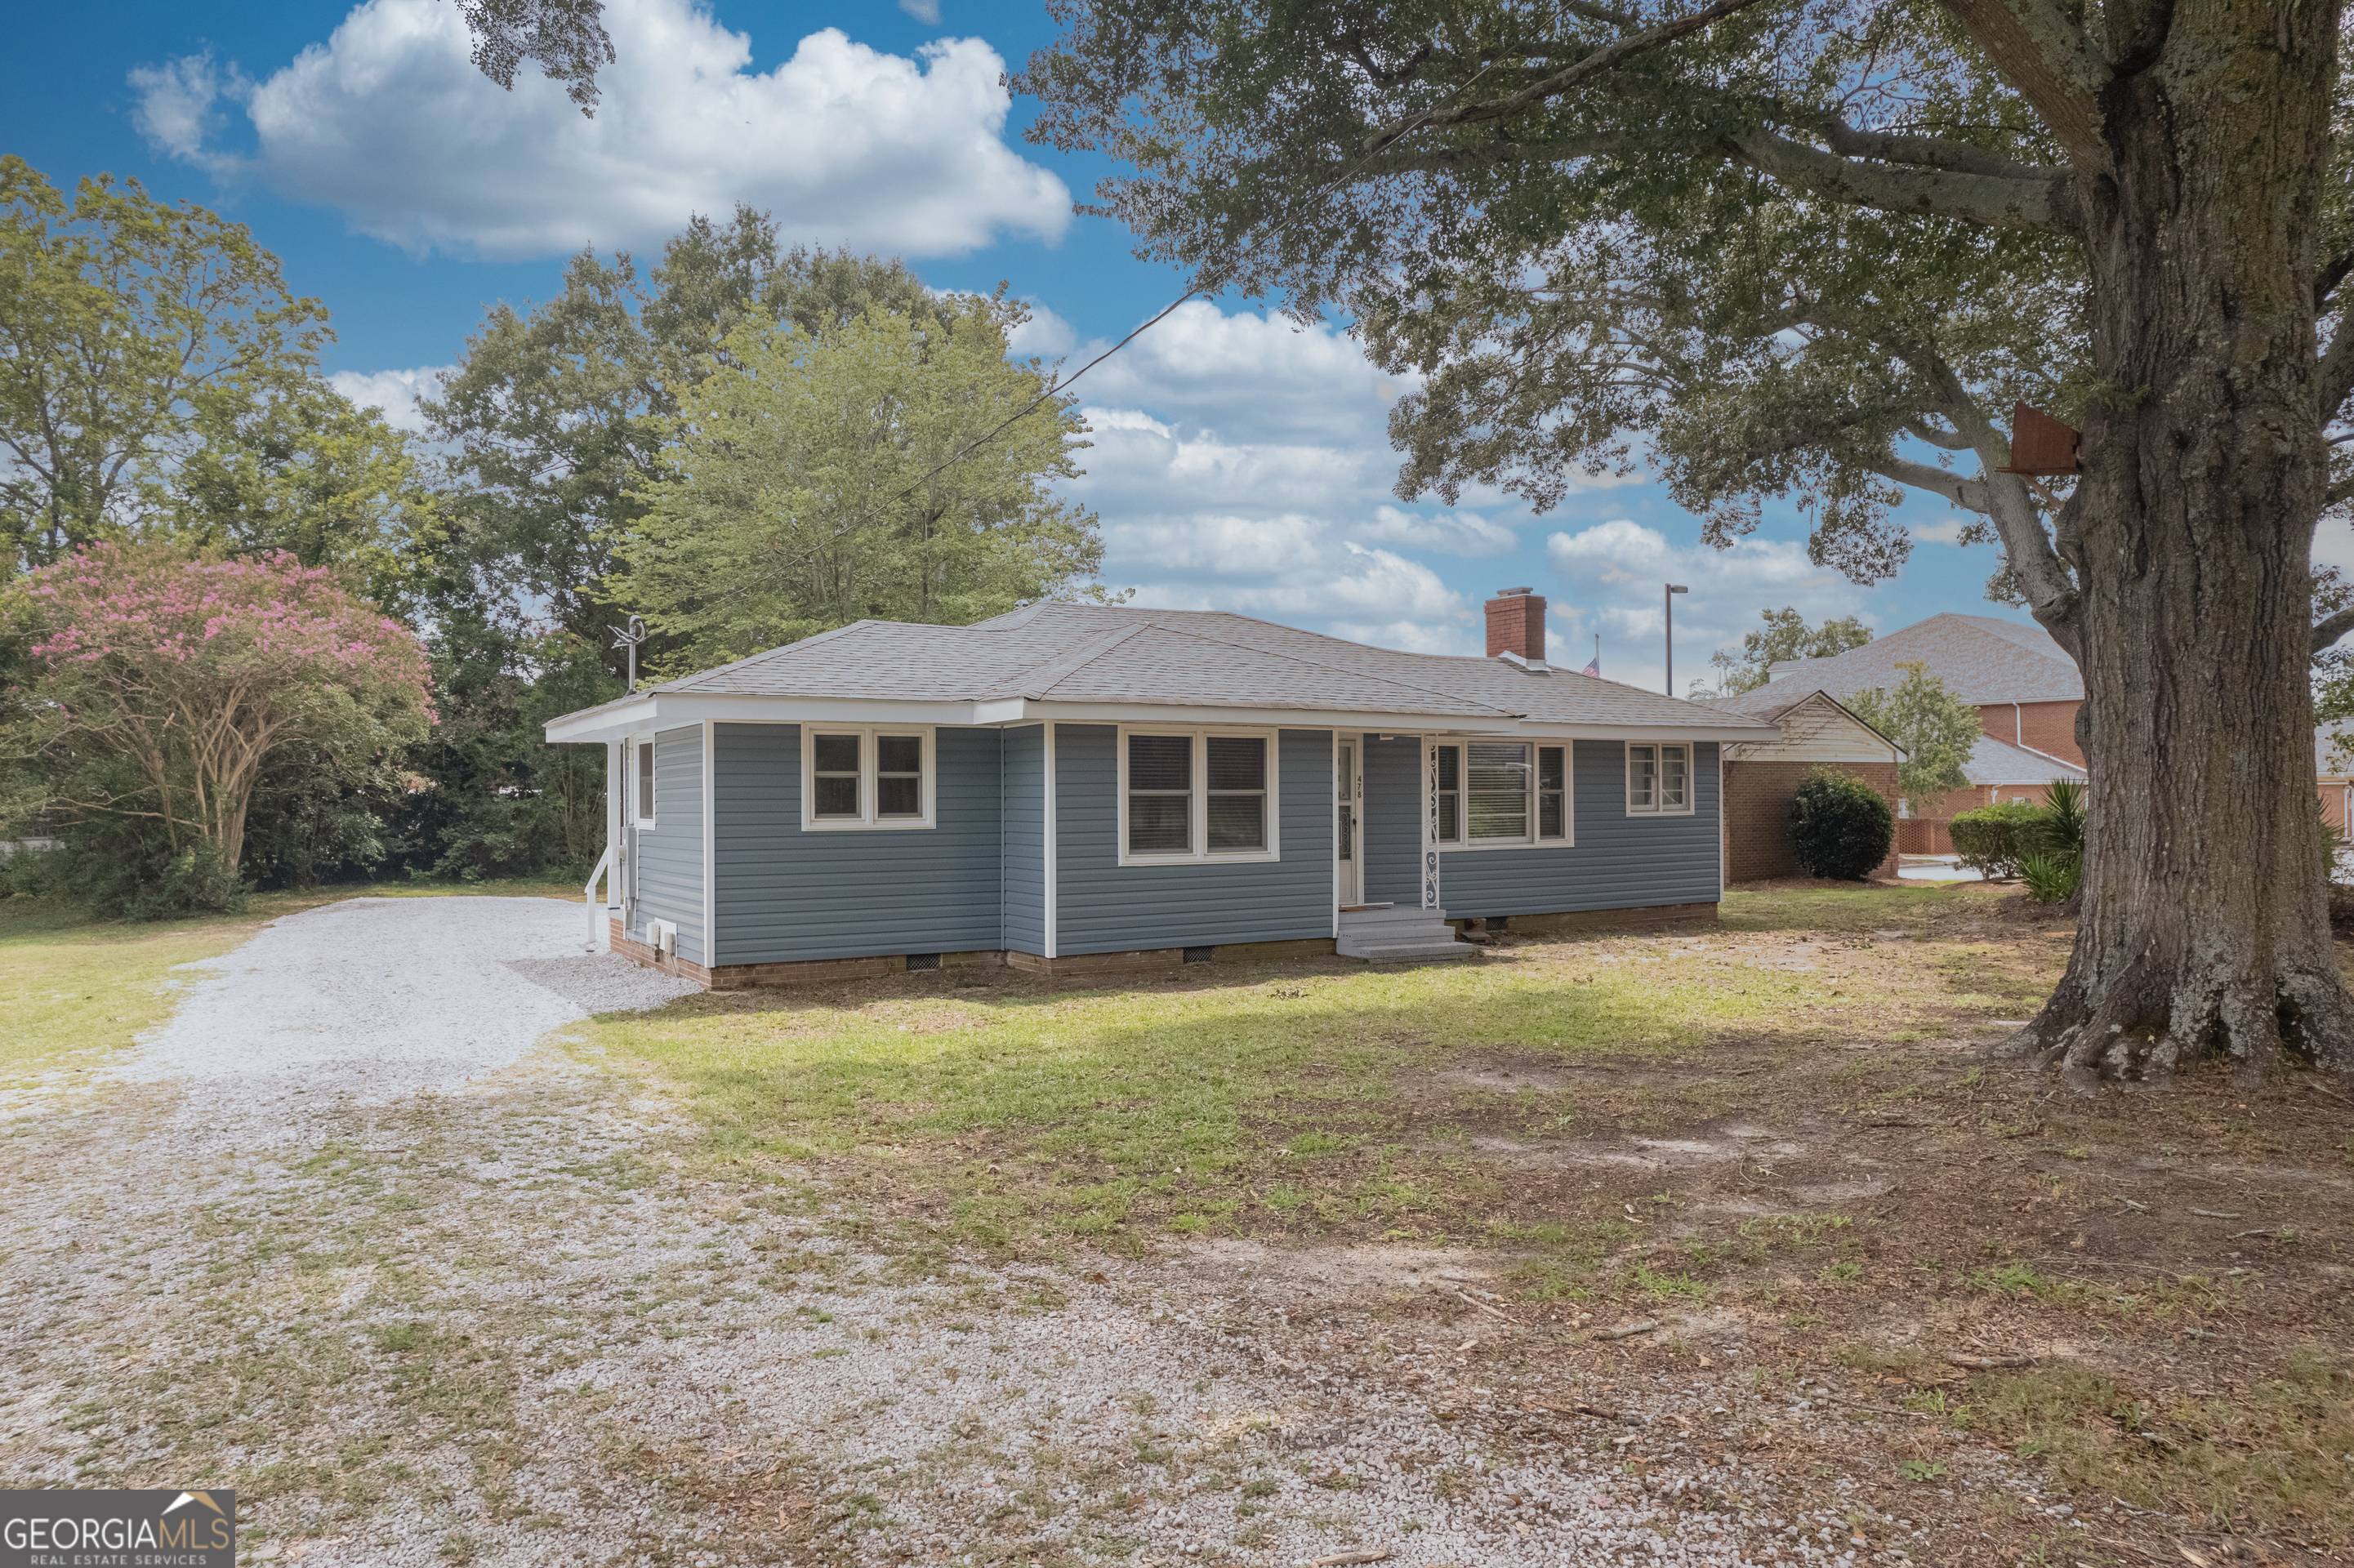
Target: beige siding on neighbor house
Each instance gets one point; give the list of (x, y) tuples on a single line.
[(1815, 730)]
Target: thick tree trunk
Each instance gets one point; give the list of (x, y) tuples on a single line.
[(2205, 926)]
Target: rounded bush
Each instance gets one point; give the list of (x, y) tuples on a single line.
[(1995, 840), (1839, 826)]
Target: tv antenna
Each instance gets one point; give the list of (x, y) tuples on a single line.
[(630, 636)]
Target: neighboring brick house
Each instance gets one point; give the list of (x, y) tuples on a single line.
[(2333, 763), (1761, 777), (2026, 691)]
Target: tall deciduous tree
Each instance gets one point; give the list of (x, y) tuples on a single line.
[(133, 334), (1815, 249), (1784, 636), (810, 481), (1936, 729)]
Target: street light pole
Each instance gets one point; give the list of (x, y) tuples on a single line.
[(1668, 598)]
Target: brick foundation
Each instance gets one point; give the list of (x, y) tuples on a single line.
[(1758, 814), (1571, 922), (1147, 959)]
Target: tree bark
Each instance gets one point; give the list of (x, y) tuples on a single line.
[(2205, 926)]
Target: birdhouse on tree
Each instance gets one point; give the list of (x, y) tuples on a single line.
[(2040, 446)]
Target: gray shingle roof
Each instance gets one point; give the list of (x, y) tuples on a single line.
[(1116, 653), (1981, 658), (1993, 761)]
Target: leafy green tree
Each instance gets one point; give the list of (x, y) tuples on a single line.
[(1935, 728), (552, 424), (808, 481), (134, 336), (1785, 636), (1814, 250)]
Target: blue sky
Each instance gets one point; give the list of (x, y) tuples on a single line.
[(1238, 460)]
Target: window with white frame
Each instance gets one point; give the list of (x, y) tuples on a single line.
[(1658, 780), (870, 776), (1495, 794), (1193, 795), (644, 761)]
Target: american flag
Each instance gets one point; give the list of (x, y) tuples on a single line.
[(1596, 667)]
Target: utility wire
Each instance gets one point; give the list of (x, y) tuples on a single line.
[(1199, 287)]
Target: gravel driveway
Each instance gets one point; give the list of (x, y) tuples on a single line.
[(347, 1236)]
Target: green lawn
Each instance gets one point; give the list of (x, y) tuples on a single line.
[(1311, 1096)]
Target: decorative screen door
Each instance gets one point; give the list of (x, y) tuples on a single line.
[(1348, 861)]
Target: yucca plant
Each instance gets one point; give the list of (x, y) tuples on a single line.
[(2051, 878), (2061, 831)]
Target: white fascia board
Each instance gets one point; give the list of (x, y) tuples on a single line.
[(655, 711), (670, 710), (1205, 717)]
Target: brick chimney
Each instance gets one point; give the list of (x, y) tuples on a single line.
[(1516, 624)]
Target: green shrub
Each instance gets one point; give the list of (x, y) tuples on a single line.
[(1993, 839), (125, 868), (1839, 827), (2051, 877)]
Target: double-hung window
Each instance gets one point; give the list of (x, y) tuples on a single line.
[(1196, 795), (1658, 780), (1496, 794), (855, 777)]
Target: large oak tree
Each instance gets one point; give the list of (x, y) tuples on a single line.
[(1816, 248)]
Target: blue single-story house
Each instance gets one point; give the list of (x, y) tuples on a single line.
[(1074, 785)]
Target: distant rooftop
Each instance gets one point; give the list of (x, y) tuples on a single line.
[(1982, 658)]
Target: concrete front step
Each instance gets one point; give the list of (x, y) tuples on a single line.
[(1416, 952)]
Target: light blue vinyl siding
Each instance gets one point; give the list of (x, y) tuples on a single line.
[(1024, 768), (1618, 862), (670, 854), (1393, 820), (783, 894), (1102, 907)]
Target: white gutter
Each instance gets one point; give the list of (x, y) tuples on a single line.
[(669, 710)]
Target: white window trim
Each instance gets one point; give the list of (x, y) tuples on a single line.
[(651, 785), (1198, 802), (1464, 843), (1692, 784), (867, 822)]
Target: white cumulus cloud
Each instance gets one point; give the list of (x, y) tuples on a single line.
[(395, 392), (388, 122), (1617, 570)]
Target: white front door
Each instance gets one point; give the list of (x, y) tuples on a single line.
[(1349, 802)]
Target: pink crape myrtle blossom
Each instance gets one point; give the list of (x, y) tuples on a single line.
[(195, 670)]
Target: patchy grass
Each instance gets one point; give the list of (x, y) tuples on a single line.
[(1779, 1132), (2273, 1454), (72, 987)]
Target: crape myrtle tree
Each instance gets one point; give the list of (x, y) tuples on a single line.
[(1815, 249), (161, 686)]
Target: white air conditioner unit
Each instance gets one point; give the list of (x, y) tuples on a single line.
[(661, 936)]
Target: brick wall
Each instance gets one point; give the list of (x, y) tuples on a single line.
[(2047, 727), (1758, 814)]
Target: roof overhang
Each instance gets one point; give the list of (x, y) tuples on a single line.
[(647, 711)]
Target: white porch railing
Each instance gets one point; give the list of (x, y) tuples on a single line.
[(599, 929)]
